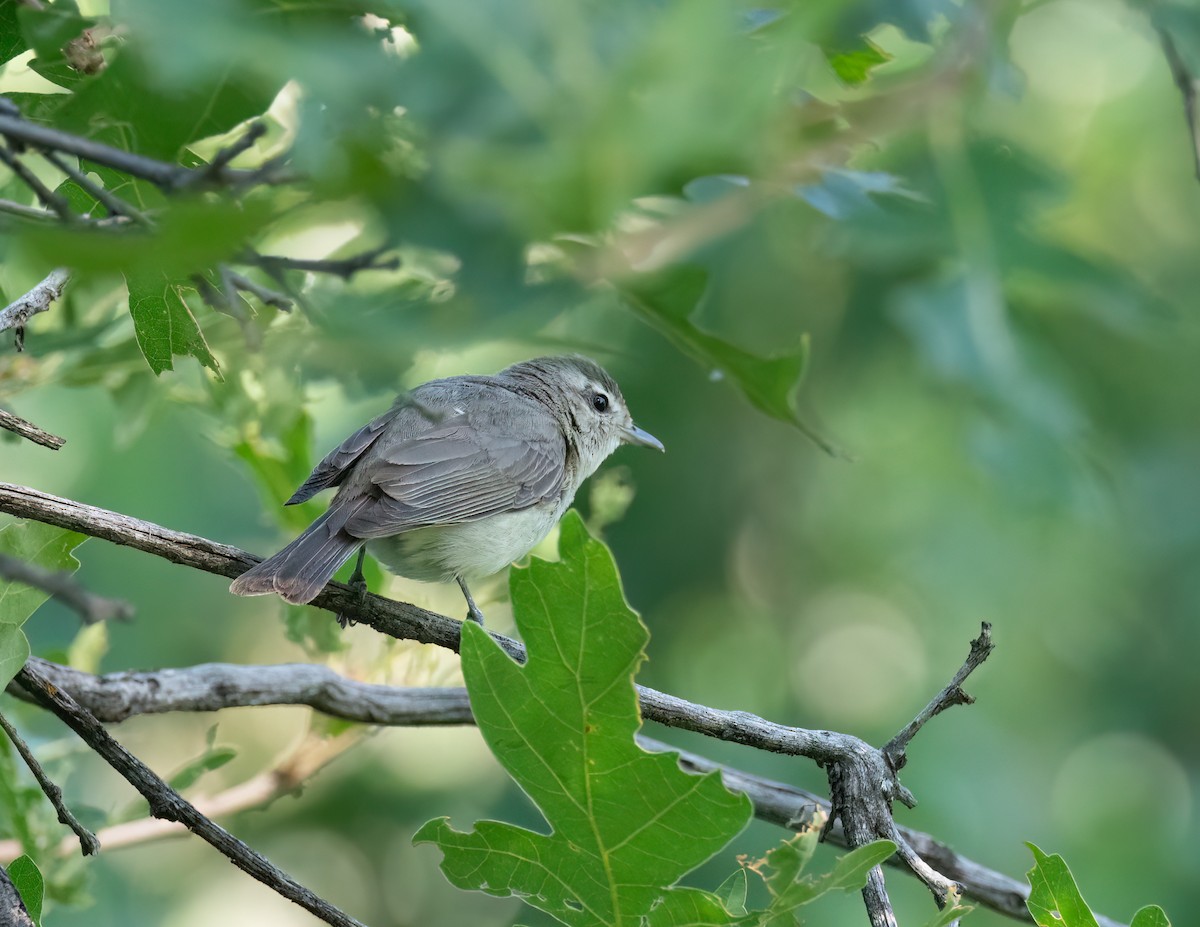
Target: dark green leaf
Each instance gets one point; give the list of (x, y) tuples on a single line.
[(12, 41), (27, 878), (163, 323), (626, 824), (667, 301), (1054, 898)]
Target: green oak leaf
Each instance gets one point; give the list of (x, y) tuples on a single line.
[(1054, 898), (625, 823), (163, 324), (43, 546), (666, 301), (29, 883)]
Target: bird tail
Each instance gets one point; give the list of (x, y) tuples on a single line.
[(301, 570)]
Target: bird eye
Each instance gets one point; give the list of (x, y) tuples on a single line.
[(599, 402)]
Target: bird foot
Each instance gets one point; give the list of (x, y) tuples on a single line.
[(358, 582)]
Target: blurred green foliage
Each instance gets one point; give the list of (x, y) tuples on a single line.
[(954, 241)]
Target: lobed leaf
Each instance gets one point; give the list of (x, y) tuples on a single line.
[(625, 823), (43, 546)]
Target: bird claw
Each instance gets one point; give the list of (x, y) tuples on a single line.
[(358, 582)]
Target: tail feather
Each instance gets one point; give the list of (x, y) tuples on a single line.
[(301, 570)]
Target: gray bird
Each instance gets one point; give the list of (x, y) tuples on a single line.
[(458, 479)]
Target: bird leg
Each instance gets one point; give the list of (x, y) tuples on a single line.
[(358, 583), (473, 612)]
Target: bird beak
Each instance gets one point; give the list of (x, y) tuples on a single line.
[(634, 435)]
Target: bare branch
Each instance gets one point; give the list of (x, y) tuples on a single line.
[(113, 203), (30, 431), (115, 697), (88, 843), (341, 267), (221, 160), (163, 174), (952, 695), (48, 197), (18, 312), (169, 805), (266, 294), (90, 607), (26, 212), (862, 780)]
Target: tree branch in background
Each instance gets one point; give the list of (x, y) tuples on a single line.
[(342, 267), (862, 782), (169, 805), (313, 755), (115, 697), (30, 431), (90, 607), (168, 176), (48, 197), (952, 695), (113, 203), (1185, 80), (88, 843), (18, 312)]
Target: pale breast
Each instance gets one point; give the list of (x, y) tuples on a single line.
[(471, 549)]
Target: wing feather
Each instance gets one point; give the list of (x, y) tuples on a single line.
[(457, 474)]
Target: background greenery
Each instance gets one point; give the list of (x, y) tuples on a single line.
[(973, 228)]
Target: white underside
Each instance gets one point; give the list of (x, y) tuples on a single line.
[(477, 548)]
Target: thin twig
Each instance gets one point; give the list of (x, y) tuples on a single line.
[(113, 203), (1186, 82), (88, 843), (49, 198), (341, 267), (18, 312), (266, 294), (116, 697), (161, 173), (30, 431), (169, 805), (313, 755), (26, 212), (862, 781), (90, 607), (222, 158), (953, 694)]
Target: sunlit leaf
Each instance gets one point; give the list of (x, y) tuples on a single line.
[(1054, 898), (1150, 916), (28, 880), (164, 324), (625, 824)]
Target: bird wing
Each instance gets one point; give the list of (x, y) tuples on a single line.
[(332, 469), (460, 471)]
